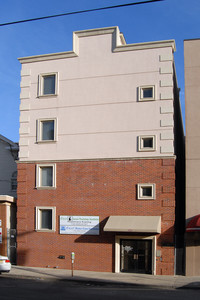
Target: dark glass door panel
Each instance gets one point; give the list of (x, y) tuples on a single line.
[(136, 256)]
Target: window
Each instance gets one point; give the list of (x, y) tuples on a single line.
[(145, 191), (48, 84), (14, 181), (46, 176), (147, 143), (146, 93), (46, 130), (45, 218)]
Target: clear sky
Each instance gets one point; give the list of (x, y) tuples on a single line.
[(168, 19)]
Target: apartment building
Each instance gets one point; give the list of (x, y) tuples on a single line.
[(101, 146), (192, 112)]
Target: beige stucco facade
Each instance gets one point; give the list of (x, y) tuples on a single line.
[(192, 107), (108, 105), (106, 121)]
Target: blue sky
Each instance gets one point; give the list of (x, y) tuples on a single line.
[(168, 19)]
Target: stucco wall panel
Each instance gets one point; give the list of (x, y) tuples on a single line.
[(24, 105), (193, 206), (25, 93), (98, 99)]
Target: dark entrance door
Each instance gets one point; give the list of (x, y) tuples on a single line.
[(136, 256)]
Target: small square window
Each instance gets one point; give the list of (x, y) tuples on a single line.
[(146, 93), (48, 84), (45, 176), (46, 130), (45, 218), (147, 143), (145, 191)]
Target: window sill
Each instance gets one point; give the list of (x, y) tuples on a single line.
[(146, 198), (47, 142), (146, 99), (48, 95), (45, 230), (147, 150), (45, 187)]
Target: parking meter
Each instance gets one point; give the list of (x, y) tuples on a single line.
[(72, 257)]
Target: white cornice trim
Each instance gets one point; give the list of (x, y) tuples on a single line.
[(147, 45), (44, 57), (94, 159), (96, 31), (119, 45)]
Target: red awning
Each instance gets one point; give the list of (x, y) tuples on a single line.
[(194, 224)]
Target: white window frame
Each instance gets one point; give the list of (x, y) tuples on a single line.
[(41, 84), (141, 139), (141, 93), (140, 186), (38, 176), (38, 218), (39, 130)]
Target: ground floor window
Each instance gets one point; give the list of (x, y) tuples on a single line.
[(45, 218)]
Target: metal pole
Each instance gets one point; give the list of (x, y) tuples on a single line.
[(72, 268)]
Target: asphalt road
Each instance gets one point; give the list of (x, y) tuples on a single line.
[(11, 288)]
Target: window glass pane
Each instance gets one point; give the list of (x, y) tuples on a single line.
[(146, 191), (147, 93), (148, 143), (13, 184), (14, 181), (46, 219), (47, 176), (48, 130), (49, 85)]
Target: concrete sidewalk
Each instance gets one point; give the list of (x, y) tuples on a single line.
[(105, 278)]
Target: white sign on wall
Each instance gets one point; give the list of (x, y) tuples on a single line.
[(0, 235), (79, 225), (0, 222)]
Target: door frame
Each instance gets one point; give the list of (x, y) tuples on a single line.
[(125, 237)]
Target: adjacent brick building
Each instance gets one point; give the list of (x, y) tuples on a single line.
[(192, 122), (101, 141), (8, 194)]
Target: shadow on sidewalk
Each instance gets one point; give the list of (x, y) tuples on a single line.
[(193, 285), (34, 271), (82, 280)]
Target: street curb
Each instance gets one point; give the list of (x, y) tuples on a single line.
[(90, 282), (106, 283)]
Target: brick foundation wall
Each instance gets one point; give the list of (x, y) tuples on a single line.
[(94, 188)]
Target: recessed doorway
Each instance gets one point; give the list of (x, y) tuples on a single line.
[(136, 256)]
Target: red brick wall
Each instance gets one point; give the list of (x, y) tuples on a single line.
[(94, 188)]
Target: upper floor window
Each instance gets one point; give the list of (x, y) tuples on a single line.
[(46, 130), (48, 84), (147, 143), (146, 93), (14, 181)]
